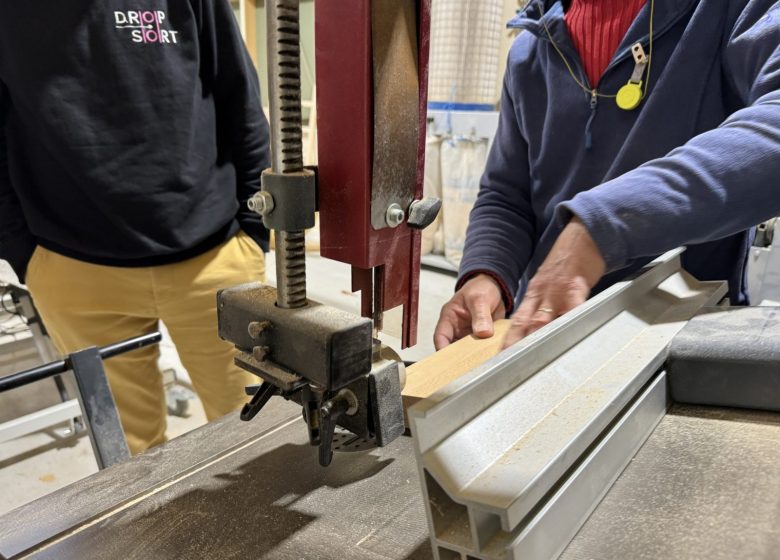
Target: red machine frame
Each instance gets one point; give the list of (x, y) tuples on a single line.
[(345, 124)]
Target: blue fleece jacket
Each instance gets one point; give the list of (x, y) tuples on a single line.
[(696, 164)]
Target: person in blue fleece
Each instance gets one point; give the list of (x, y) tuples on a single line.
[(579, 192)]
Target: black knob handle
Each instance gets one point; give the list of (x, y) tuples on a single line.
[(260, 398), (423, 212)]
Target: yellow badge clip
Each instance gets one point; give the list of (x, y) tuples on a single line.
[(630, 95)]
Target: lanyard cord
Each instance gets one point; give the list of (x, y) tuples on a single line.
[(593, 91)]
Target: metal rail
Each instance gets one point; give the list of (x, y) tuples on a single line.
[(495, 447), (94, 394), (61, 366), (39, 420)]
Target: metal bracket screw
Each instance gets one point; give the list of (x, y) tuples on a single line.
[(256, 328), (260, 353), (395, 215), (261, 202)]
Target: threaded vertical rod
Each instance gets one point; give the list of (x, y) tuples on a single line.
[(284, 81), (290, 269)]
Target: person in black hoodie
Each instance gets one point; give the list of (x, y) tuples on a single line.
[(131, 136)]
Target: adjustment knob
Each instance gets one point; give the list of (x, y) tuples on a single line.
[(423, 212)]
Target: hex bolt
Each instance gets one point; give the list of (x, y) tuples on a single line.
[(261, 202), (260, 353), (256, 328), (395, 215)]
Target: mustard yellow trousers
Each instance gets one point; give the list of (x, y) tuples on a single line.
[(84, 304)]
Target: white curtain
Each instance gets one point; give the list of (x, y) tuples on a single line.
[(462, 165), (465, 53)]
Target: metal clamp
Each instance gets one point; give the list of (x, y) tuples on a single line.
[(287, 201)]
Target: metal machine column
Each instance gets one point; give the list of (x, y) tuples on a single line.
[(284, 91)]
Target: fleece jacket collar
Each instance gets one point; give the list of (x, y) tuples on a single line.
[(549, 13)]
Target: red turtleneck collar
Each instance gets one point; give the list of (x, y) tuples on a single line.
[(597, 27)]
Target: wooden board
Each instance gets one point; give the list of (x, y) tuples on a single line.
[(249, 28), (437, 370)]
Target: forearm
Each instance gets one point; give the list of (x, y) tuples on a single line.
[(251, 158), (719, 183), (247, 133), (499, 242), (243, 128), (501, 232), (16, 241)]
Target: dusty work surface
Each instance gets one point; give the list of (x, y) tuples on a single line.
[(264, 497), (706, 484)]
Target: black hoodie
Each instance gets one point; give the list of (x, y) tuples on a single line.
[(131, 131)]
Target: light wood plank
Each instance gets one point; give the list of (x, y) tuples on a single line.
[(437, 370)]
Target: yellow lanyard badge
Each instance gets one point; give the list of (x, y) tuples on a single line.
[(630, 95)]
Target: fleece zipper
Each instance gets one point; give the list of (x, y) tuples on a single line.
[(594, 101)]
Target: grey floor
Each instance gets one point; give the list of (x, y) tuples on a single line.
[(34, 465)]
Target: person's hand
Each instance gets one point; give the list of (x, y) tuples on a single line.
[(564, 281), (471, 310)]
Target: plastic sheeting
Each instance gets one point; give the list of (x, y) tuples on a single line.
[(465, 50), (433, 235), (453, 169)]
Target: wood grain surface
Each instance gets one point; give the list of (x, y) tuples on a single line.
[(437, 370)]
